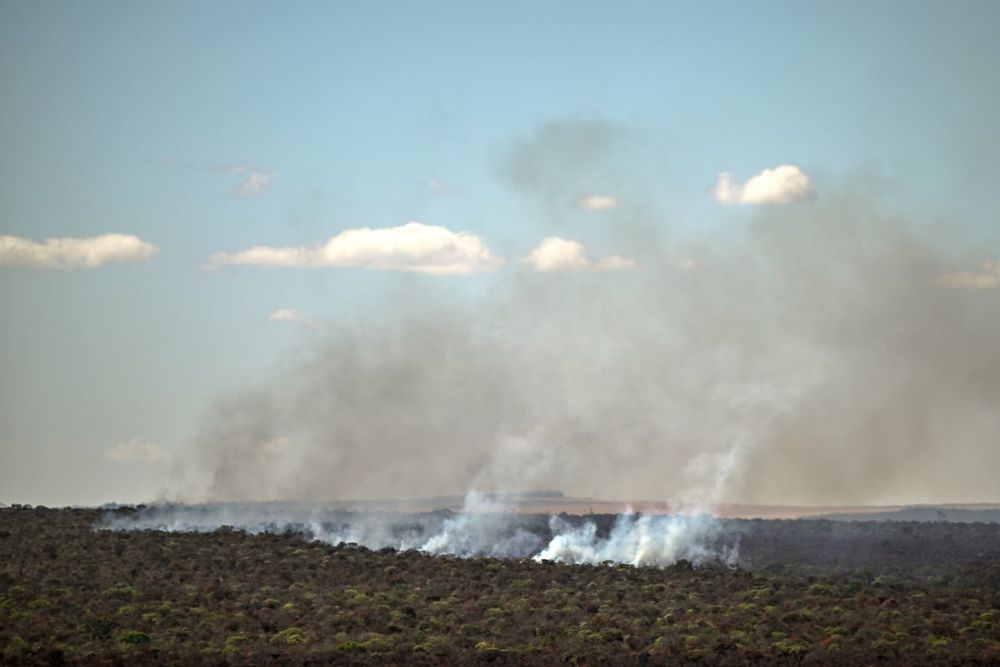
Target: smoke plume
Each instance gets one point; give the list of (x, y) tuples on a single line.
[(484, 528), (806, 354)]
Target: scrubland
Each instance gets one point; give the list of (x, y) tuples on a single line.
[(72, 594)]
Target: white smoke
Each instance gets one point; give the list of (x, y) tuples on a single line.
[(639, 540), (484, 528), (488, 524)]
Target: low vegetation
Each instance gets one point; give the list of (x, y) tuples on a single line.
[(70, 594)]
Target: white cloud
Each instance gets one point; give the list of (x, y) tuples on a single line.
[(413, 247), (556, 254), (257, 178), (685, 263), (135, 450), (71, 253), (442, 188), (785, 184), (596, 202), (292, 315), (284, 315), (987, 277), (256, 182), (240, 168)]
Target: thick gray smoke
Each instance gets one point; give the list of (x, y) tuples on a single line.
[(815, 341)]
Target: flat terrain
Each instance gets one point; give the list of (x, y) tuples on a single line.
[(806, 592), (554, 502)]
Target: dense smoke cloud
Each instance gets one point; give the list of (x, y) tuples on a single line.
[(482, 529), (805, 355)]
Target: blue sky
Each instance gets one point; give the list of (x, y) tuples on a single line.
[(145, 118)]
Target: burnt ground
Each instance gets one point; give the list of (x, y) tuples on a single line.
[(804, 592)]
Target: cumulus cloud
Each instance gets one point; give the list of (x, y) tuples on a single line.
[(596, 202), (785, 184), (292, 315), (135, 450), (987, 277), (412, 247), (556, 254), (256, 181), (73, 253)]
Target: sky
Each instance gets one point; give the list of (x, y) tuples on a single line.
[(201, 202)]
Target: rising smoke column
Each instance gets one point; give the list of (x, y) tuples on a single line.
[(819, 335)]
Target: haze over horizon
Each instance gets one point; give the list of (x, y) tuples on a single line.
[(649, 251)]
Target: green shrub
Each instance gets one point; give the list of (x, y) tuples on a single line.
[(788, 647), (232, 643), (351, 645), (133, 637), (120, 592), (292, 635)]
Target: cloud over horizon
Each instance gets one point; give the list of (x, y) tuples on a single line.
[(256, 182), (596, 202), (555, 254), (987, 277), (135, 450), (292, 315), (257, 179), (413, 247), (73, 253), (785, 184)]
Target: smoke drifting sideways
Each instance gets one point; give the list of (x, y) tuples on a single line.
[(487, 525), (484, 528), (807, 354)]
